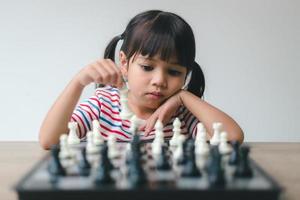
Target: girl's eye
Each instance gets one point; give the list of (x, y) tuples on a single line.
[(173, 72), (146, 67)]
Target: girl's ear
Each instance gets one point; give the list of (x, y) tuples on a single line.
[(123, 63)]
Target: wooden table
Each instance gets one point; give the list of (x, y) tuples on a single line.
[(280, 160)]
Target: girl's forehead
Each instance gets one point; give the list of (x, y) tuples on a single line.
[(157, 58)]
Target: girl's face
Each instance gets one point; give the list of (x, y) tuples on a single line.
[(152, 80)]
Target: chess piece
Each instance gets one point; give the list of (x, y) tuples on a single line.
[(215, 140), (162, 161), (176, 132), (224, 147), (243, 168), (178, 153), (159, 138), (65, 152), (125, 113), (112, 147), (215, 169), (97, 137), (103, 175), (73, 138), (190, 169), (91, 148), (234, 156), (84, 165), (55, 167), (201, 146)]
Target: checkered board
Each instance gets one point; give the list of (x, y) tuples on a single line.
[(168, 184)]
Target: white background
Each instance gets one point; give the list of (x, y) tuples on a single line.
[(249, 51)]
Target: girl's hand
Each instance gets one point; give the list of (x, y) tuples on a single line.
[(163, 113), (103, 71)]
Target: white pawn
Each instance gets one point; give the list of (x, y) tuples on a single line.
[(126, 113), (72, 137), (91, 148), (97, 137), (159, 138), (176, 132), (112, 146), (178, 154), (215, 140), (201, 146), (64, 152), (224, 147)]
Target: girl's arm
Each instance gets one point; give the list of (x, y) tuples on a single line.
[(208, 114), (102, 71)]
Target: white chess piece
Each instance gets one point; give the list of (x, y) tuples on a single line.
[(178, 153), (125, 113), (97, 137), (176, 132), (135, 123), (224, 147), (159, 138), (112, 146), (201, 146), (64, 152), (91, 148), (72, 137), (215, 140)]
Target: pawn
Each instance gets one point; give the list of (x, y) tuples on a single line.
[(103, 175), (176, 132), (84, 165), (97, 137), (190, 169), (73, 138), (162, 162), (91, 148), (215, 171), (234, 156), (112, 147), (224, 147), (243, 168), (215, 140), (55, 167)]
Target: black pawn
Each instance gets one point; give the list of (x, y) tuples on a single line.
[(55, 167), (234, 156), (190, 168), (243, 168), (215, 172), (162, 162), (103, 171), (84, 165)]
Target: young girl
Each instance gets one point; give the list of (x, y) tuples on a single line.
[(157, 58)]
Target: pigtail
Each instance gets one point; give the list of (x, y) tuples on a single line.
[(111, 47), (197, 82)]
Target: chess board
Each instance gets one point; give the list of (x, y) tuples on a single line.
[(160, 184)]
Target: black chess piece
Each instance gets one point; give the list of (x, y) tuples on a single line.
[(103, 175), (162, 162), (216, 172), (243, 168), (184, 157), (84, 165), (190, 168), (55, 167), (234, 156)]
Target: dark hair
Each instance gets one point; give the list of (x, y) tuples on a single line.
[(166, 34)]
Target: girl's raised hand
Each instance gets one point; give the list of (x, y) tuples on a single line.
[(163, 113), (102, 71)]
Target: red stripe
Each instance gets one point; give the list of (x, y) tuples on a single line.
[(112, 100), (114, 131), (97, 100), (87, 106), (110, 94), (108, 115), (85, 129), (109, 108)]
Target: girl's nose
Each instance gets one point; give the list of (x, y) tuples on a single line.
[(159, 79)]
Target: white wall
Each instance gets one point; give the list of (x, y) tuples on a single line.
[(249, 51)]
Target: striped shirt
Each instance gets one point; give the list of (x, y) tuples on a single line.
[(105, 106)]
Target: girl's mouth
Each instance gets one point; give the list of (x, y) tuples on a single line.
[(154, 95)]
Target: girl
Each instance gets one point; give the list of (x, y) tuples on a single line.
[(157, 58)]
